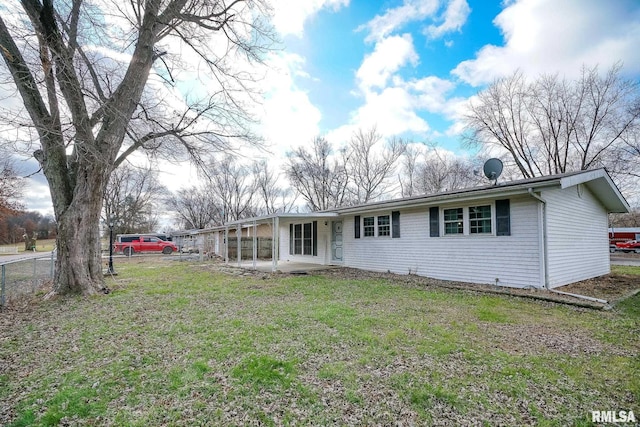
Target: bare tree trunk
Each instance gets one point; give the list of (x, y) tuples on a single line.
[(79, 260)]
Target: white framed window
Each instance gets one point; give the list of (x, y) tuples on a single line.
[(297, 239), (306, 239), (493, 218), (480, 219), (369, 226), (303, 238), (453, 221), (384, 226)]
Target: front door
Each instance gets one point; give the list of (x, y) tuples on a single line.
[(336, 241)]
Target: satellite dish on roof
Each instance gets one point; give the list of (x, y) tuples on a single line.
[(492, 169)]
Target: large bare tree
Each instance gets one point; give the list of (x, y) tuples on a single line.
[(553, 125), (82, 70), (319, 176), (131, 199), (230, 185), (194, 207), (427, 169), (270, 196), (441, 171), (372, 164)]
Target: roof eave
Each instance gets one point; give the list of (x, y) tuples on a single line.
[(602, 186)]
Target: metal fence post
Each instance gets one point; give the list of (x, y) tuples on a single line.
[(35, 277), (51, 267), (2, 288)]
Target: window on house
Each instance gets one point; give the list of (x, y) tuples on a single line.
[(453, 221), (306, 240), (303, 238), (384, 225), (369, 226), (480, 219), (297, 239)]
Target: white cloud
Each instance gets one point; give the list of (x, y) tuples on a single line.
[(431, 93), (393, 19), (543, 36), (389, 55), (392, 112), (455, 15), (37, 196), (290, 15), (289, 119)]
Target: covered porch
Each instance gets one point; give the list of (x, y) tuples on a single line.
[(298, 241)]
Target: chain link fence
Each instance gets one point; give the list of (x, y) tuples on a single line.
[(25, 276)]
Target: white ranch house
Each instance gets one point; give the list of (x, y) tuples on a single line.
[(542, 232)]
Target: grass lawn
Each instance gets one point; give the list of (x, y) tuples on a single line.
[(45, 245), (184, 345)]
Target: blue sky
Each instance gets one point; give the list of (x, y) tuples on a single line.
[(409, 67)]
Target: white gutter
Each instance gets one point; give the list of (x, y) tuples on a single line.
[(603, 301), (545, 250)]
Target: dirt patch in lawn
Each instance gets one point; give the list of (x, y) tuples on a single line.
[(612, 287)]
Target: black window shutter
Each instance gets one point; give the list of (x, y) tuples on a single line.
[(356, 221), (290, 239), (395, 224), (434, 221), (314, 237), (503, 218)]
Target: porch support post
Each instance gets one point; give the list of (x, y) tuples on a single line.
[(275, 224), (226, 245), (255, 244), (276, 241), (239, 239)]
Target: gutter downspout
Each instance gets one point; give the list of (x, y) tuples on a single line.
[(545, 250)]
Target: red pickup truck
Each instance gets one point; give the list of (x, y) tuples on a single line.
[(144, 244), (630, 246)]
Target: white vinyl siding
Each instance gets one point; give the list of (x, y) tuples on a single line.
[(514, 260), (578, 242)]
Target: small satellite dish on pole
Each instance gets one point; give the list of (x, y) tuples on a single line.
[(492, 169)]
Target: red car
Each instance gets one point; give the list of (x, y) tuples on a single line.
[(629, 246)]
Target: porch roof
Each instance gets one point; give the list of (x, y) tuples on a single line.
[(269, 218)]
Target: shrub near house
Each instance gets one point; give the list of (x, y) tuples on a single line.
[(137, 244)]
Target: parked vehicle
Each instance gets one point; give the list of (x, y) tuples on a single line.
[(628, 246), (130, 244)]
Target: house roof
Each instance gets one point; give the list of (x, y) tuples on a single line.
[(597, 180)]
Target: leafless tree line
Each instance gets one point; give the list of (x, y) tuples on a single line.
[(553, 125), (132, 199), (369, 168), (230, 191)]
